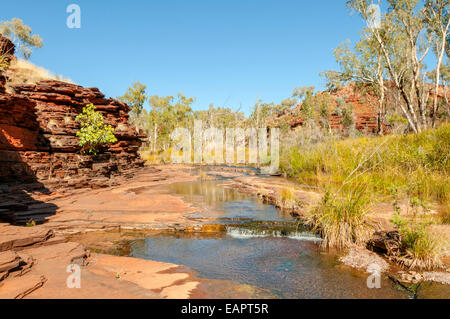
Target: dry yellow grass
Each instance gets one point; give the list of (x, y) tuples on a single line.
[(24, 72)]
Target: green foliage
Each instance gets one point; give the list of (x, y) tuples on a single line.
[(20, 34), (135, 97), (393, 52), (333, 80), (348, 119), (94, 133), (286, 199), (342, 220), (30, 223), (3, 63), (168, 113), (415, 165), (422, 249), (316, 107), (287, 194), (219, 117), (396, 119)]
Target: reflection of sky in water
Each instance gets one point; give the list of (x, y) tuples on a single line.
[(232, 203), (289, 268)]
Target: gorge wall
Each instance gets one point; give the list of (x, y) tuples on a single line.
[(38, 134), (365, 117)]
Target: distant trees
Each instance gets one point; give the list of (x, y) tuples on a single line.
[(437, 16), (394, 50), (20, 34), (135, 97), (166, 114), (220, 117)]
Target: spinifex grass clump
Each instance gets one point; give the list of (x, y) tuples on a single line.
[(421, 249), (94, 133), (342, 220)]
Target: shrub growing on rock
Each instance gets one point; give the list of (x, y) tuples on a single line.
[(94, 133)]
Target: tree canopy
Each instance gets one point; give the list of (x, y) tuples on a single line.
[(20, 34)]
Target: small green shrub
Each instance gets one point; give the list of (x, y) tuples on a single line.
[(31, 223), (348, 118), (287, 194), (422, 250), (94, 133)]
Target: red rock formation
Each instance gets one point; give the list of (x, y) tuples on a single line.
[(364, 106), (38, 135), (7, 54), (364, 112)]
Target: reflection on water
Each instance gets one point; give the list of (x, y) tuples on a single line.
[(287, 267), (208, 191), (262, 247), (230, 203)]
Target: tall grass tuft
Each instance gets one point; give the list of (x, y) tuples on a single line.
[(422, 250), (342, 220)]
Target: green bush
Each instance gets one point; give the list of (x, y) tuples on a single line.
[(94, 133), (423, 250)]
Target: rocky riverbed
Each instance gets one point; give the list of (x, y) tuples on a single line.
[(101, 230)]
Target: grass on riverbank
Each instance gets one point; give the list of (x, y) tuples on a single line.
[(396, 165), (356, 172), (342, 220), (422, 249)]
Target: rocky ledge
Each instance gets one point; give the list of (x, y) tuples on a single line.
[(38, 135), (39, 151)]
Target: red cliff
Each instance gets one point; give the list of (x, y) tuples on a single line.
[(38, 135)]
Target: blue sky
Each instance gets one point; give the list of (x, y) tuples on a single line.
[(226, 52)]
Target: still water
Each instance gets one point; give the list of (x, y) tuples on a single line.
[(262, 247)]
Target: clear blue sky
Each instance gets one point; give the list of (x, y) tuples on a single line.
[(226, 52)]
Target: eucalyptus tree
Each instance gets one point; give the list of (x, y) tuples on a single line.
[(403, 42), (135, 97), (219, 117), (365, 64), (437, 15), (166, 114), (20, 34)]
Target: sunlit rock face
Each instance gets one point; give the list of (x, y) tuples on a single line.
[(38, 134)]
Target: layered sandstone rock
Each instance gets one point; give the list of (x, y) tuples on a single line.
[(38, 142), (38, 134), (363, 106), (6, 54), (56, 106)]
